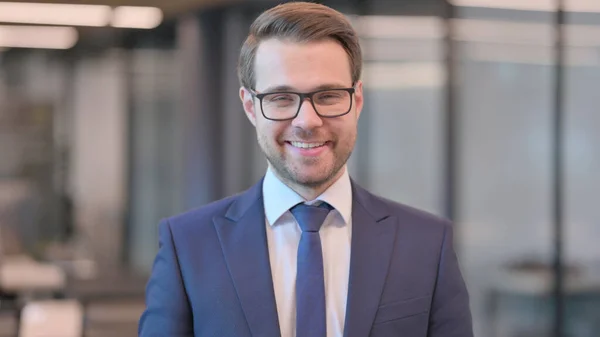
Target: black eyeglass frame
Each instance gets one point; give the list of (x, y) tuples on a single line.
[(303, 97)]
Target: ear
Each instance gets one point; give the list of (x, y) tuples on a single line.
[(248, 104), (358, 97)]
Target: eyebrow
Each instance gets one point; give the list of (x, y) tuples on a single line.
[(284, 88)]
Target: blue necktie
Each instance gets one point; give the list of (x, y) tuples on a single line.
[(310, 282)]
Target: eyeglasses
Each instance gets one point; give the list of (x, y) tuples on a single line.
[(285, 105)]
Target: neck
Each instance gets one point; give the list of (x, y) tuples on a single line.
[(310, 192)]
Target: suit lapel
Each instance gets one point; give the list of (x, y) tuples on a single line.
[(243, 239), (373, 236)]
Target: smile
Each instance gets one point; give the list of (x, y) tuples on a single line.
[(303, 145)]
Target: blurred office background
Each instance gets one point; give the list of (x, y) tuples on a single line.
[(120, 113)]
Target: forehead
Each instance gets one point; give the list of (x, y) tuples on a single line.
[(302, 66)]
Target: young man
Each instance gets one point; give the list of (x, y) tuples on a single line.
[(306, 252)]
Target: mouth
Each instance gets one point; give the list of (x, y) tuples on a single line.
[(308, 149), (307, 145)]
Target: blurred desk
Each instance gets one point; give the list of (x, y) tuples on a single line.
[(110, 283), (113, 301), (23, 275), (53, 318), (522, 303)]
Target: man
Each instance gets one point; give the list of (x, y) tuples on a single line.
[(305, 252)]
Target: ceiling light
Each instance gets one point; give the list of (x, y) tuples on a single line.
[(591, 6), (523, 33), (136, 17), (55, 14), (404, 75), (380, 26), (43, 37), (476, 30)]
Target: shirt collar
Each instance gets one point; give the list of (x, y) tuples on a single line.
[(279, 198)]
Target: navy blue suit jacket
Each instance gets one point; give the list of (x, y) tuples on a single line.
[(212, 275)]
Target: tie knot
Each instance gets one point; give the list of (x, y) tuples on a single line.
[(310, 217)]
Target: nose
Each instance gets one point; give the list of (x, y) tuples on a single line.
[(307, 117)]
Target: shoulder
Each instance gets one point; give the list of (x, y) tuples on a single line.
[(427, 232), (200, 221), (407, 212), (414, 219), (201, 215)]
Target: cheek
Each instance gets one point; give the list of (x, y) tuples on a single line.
[(347, 127), (269, 131)]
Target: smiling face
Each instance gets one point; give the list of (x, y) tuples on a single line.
[(308, 151)]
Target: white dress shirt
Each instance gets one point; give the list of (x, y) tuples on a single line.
[(283, 237)]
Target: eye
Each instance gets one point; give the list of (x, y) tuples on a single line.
[(329, 95), (279, 98)]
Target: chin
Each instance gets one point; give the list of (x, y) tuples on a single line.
[(310, 181), (315, 178)]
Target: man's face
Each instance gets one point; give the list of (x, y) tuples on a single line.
[(304, 67)]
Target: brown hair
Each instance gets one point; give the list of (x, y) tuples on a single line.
[(299, 22)]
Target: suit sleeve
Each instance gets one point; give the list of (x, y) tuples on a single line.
[(450, 312), (167, 310)]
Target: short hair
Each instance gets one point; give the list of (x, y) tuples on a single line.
[(299, 22)]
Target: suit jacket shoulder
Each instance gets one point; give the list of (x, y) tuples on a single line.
[(407, 215), (232, 207), (202, 215)]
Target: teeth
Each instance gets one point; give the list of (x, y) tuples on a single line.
[(306, 145)]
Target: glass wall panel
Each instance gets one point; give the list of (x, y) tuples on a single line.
[(400, 142), (582, 174), (156, 155), (505, 103)]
